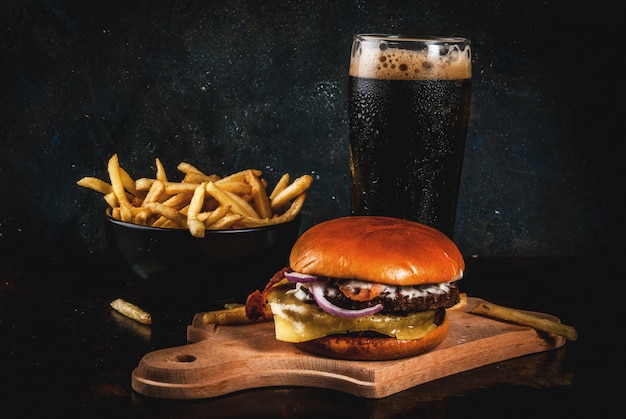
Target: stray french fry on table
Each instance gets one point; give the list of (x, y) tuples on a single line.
[(131, 311), (525, 319), (227, 316)]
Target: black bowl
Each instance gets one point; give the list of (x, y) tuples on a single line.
[(225, 264)]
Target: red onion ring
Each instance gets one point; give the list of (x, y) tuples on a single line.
[(298, 277), (317, 289)]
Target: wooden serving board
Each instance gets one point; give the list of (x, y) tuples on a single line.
[(225, 359)]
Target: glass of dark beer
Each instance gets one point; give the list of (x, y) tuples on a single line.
[(409, 108)]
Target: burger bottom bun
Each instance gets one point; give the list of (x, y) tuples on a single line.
[(360, 348)]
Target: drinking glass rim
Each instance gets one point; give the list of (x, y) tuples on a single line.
[(409, 39)]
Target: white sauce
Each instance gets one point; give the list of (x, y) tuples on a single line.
[(392, 291)]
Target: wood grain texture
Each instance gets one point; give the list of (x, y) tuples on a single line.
[(226, 359)]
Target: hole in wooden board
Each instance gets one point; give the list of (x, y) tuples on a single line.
[(185, 358)]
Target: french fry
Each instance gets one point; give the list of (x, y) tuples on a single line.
[(144, 184), (193, 177), (243, 203), (298, 186), (131, 311), (283, 182), (259, 195), (115, 213), (164, 222), (232, 315), (116, 179), (227, 316), (173, 188), (525, 319), (238, 176), (155, 192), (128, 182), (237, 204), (211, 217), (236, 187), (196, 227), (95, 184), (288, 215), (126, 213), (178, 201), (111, 199), (169, 213), (160, 171), (294, 209), (141, 217), (461, 304), (225, 222), (188, 168)]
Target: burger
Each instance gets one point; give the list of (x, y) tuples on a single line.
[(364, 288)]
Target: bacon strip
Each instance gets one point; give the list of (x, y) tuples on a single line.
[(362, 294), (257, 308)]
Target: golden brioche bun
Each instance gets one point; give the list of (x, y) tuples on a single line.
[(377, 249)]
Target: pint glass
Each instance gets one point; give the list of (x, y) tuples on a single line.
[(409, 107)]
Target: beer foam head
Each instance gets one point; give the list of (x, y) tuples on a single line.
[(394, 58)]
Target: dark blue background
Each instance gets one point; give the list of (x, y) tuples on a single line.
[(235, 84)]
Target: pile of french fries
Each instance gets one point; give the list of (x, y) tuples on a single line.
[(199, 202)]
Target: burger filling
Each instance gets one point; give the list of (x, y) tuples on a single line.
[(306, 307), (355, 294)]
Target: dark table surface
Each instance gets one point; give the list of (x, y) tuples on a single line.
[(64, 351)]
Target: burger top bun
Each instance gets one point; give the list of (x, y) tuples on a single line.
[(377, 249)]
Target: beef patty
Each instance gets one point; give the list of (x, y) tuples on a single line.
[(398, 302)]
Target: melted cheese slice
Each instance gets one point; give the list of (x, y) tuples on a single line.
[(296, 321)]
